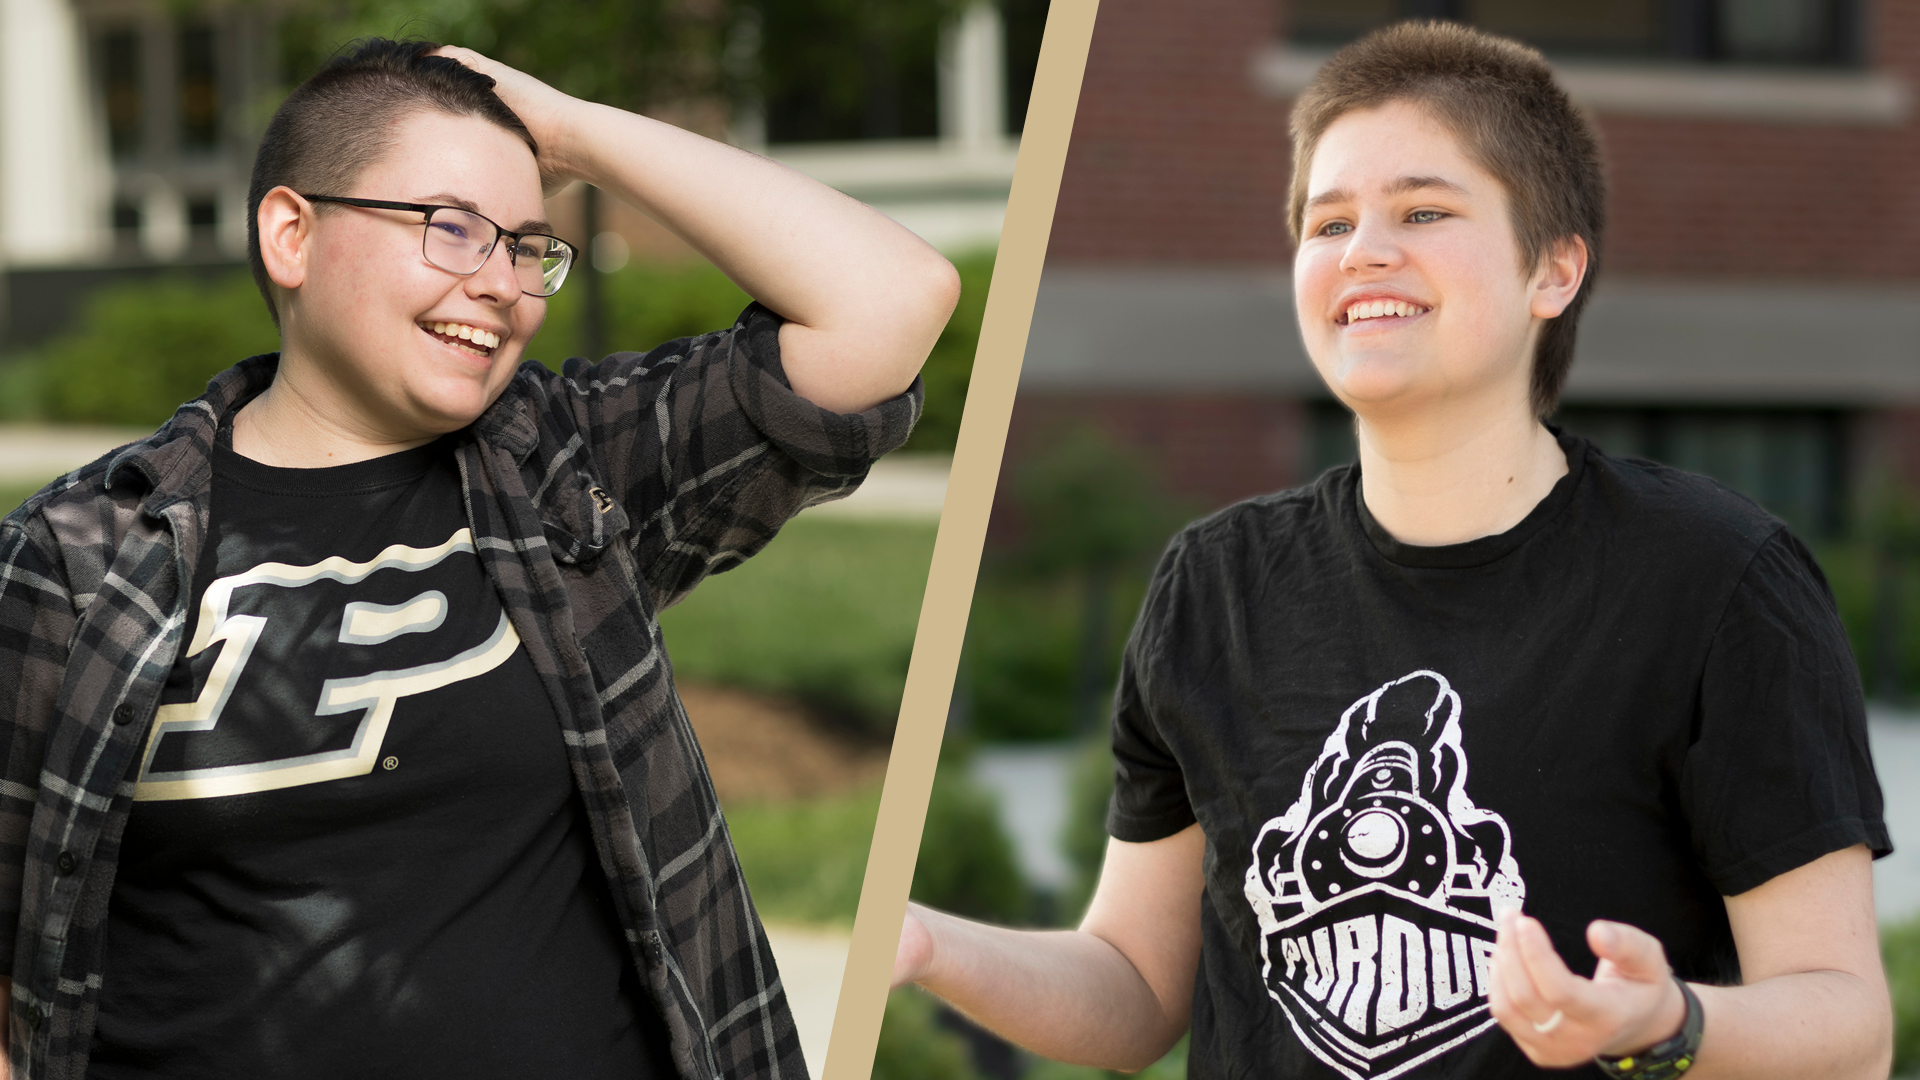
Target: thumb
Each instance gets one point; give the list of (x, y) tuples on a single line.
[(1631, 952)]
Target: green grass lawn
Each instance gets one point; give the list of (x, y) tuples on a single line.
[(825, 614), (805, 861)]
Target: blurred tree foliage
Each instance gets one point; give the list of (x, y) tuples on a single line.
[(1043, 641), (811, 92)]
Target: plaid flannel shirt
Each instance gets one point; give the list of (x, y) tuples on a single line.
[(596, 498)]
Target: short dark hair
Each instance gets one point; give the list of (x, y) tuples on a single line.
[(1499, 99), (341, 120)]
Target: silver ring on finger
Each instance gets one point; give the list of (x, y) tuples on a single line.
[(1550, 1023)]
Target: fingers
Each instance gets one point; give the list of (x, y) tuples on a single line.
[(1627, 952), (915, 954), (1537, 999)]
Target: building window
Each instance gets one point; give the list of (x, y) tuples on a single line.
[(199, 90), (1803, 32), (1791, 461), (1025, 21), (831, 72), (126, 228), (203, 225), (126, 105)]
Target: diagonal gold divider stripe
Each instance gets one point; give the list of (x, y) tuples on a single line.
[(963, 530)]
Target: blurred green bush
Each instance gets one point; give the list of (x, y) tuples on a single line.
[(647, 304), (966, 862), (805, 861), (1052, 608), (142, 348), (825, 614), (1900, 948), (914, 1047)]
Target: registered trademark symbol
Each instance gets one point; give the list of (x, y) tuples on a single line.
[(390, 763)]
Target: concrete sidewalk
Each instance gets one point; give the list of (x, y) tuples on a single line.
[(811, 961), (35, 454)]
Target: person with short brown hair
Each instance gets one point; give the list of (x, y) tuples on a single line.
[(1490, 753), (337, 732)]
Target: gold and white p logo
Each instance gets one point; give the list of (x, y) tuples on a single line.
[(374, 694)]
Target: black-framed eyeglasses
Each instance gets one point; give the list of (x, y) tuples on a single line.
[(460, 241)]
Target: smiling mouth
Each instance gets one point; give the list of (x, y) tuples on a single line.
[(461, 336), (1371, 310)]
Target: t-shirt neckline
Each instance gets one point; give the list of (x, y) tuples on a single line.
[(1485, 549), (360, 477)]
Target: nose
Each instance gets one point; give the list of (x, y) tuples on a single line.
[(1370, 246), (495, 282)]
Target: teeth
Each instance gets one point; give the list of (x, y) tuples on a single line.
[(1374, 309), (483, 338)]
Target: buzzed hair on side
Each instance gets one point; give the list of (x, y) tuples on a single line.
[(1499, 98), (342, 120)]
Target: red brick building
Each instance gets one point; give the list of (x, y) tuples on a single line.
[(1757, 318)]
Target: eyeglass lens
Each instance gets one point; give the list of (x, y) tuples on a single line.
[(460, 242)]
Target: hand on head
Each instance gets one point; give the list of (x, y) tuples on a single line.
[(1561, 1019), (539, 106)]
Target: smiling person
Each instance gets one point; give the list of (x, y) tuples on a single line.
[(1491, 753), (339, 736)]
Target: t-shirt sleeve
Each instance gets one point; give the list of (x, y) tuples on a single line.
[(1149, 789), (1779, 773), (708, 442)]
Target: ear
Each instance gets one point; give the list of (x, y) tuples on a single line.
[(285, 221), (1558, 279)]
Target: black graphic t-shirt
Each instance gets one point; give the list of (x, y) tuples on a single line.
[(1633, 703), (355, 847)]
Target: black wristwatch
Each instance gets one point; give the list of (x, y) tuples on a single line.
[(1663, 1060)]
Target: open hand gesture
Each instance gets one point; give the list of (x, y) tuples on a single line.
[(1560, 1019)]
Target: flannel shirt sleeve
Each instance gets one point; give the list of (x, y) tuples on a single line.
[(36, 623), (711, 451)]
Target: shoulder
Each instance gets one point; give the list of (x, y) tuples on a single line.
[(1256, 535), (1688, 517), (1250, 549)]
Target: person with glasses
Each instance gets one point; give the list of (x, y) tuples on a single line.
[(339, 735)]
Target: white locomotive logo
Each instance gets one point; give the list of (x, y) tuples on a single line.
[(1377, 890)]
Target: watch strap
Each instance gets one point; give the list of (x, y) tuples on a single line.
[(1667, 1059)]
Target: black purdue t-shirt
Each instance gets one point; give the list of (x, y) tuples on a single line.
[(1633, 703), (355, 847)]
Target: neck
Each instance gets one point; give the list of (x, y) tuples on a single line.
[(1446, 477), (296, 423)]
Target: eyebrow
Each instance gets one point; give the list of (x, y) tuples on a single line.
[(1401, 186), (531, 225)]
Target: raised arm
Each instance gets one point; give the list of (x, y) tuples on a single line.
[(1115, 993), (864, 299), (1813, 1001)]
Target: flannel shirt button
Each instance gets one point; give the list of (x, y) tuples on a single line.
[(66, 862), (123, 714)]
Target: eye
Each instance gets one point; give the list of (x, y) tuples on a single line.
[(1426, 217), (1335, 228), (452, 230)]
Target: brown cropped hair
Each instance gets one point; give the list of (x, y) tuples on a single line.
[(1498, 98), (342, 120)]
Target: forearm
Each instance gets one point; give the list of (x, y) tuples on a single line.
[(1068, 995), (864, 298), (1829, 1024)]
